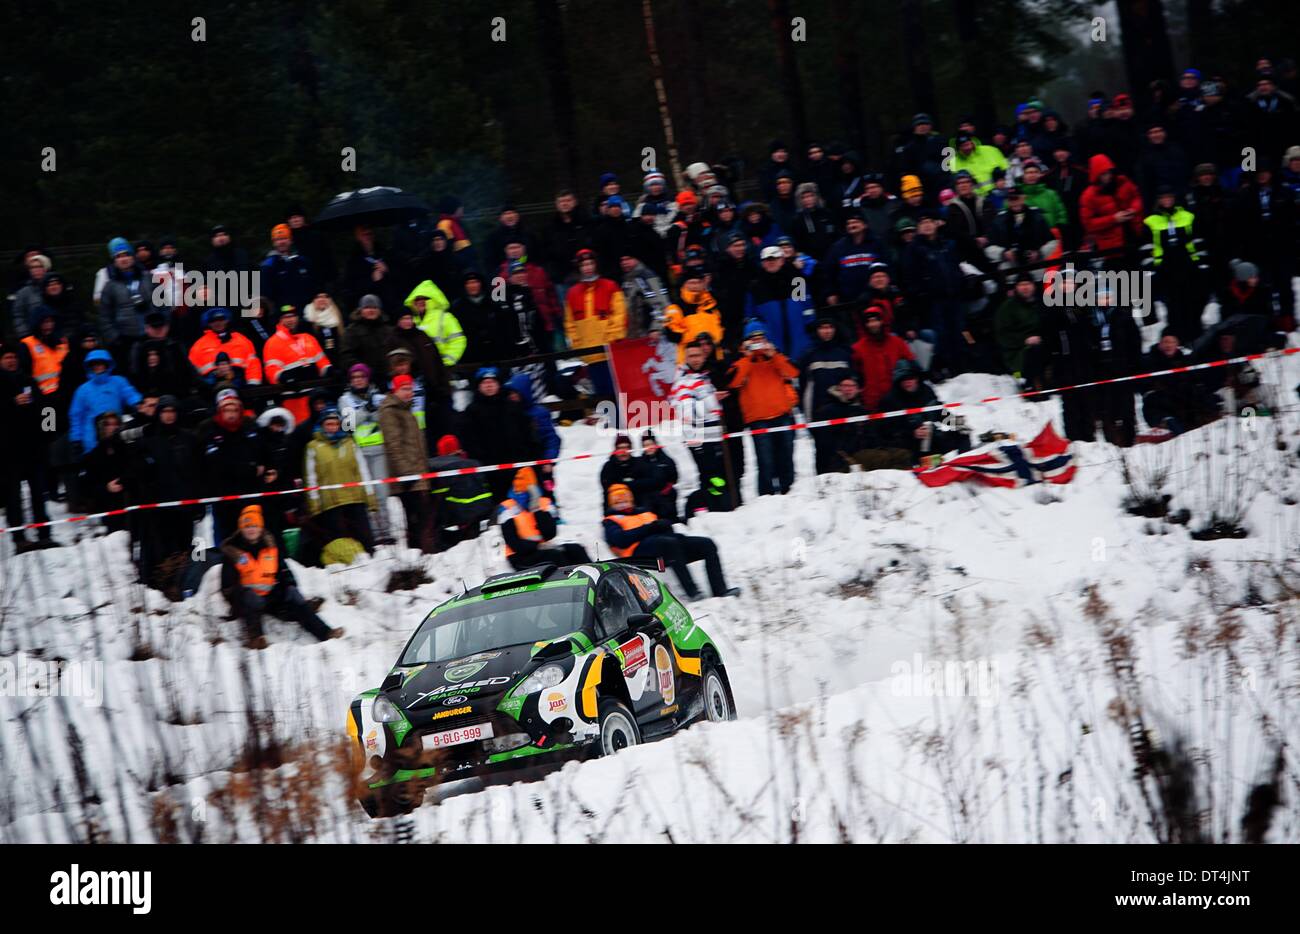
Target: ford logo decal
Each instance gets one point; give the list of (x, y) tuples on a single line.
[(455, 700)]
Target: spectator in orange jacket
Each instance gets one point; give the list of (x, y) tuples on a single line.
[(763, 379), (875, 354), (595, 312), (221, 338), (1110, 209)]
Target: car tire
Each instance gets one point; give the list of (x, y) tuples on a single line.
[(719, 705), (391, 801), (618, 729)]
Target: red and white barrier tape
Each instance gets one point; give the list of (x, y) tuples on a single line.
[(491, 468)]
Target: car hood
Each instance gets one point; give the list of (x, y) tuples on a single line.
[(477, 681)]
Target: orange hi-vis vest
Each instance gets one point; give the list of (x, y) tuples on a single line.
[(525, 521), (46, 362), (627, 522), (238, 348), (259, 571)]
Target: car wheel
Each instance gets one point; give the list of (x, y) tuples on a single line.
[(618, 729), (718, 704), (391, 801)]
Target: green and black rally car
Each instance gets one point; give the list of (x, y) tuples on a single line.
[(533, 666)]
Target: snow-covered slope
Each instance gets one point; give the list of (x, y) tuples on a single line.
[(1065, 625)]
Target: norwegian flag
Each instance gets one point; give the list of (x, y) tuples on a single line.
[(1046, 459)]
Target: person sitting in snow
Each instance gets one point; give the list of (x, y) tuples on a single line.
[(633, 531), (527, 520), (256, 579), (917, 433)]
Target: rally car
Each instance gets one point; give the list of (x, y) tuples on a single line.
[(533, 667)]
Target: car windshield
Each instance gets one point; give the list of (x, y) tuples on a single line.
[(496, 622)]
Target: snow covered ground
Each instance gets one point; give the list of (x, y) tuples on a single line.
[(910, 664)]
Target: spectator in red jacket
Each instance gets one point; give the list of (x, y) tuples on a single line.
[(875, 354), (1110, 209)]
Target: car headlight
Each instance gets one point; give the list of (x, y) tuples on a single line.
[(548, 676), (385, 711)]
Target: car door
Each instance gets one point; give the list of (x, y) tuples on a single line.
[(616, 603)]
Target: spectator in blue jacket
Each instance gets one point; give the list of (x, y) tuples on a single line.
[(101, 392), (781, 298), (521, 386), (287, 276), (848, 262)]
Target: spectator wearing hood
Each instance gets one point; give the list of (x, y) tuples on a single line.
[(875, 355), (20, 425), (225, 256), (812, 228), (325, 319), (255, 579), (287, 275), (694, 313), (46, 350), (438, 265), (520, 388), (1110, 208), (220, 338), (781, 298), (916, 433), (757, 225), (527, 520), (333, 457), (495, 429), (367, 336), (433, 316), (101, 392)]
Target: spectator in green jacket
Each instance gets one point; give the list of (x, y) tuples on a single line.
[(1017, 328), (1038, 195)]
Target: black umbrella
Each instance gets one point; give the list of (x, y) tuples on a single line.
[(376, 207)]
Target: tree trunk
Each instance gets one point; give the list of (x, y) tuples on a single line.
[(791, 85), (657, 71), (1200, 28), (551, 28), (1147, 53), (916, 57), (980, 87), (848, 70)]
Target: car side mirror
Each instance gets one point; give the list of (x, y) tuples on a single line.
[(644, 622)]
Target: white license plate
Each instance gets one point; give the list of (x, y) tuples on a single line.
[(462, 734)]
